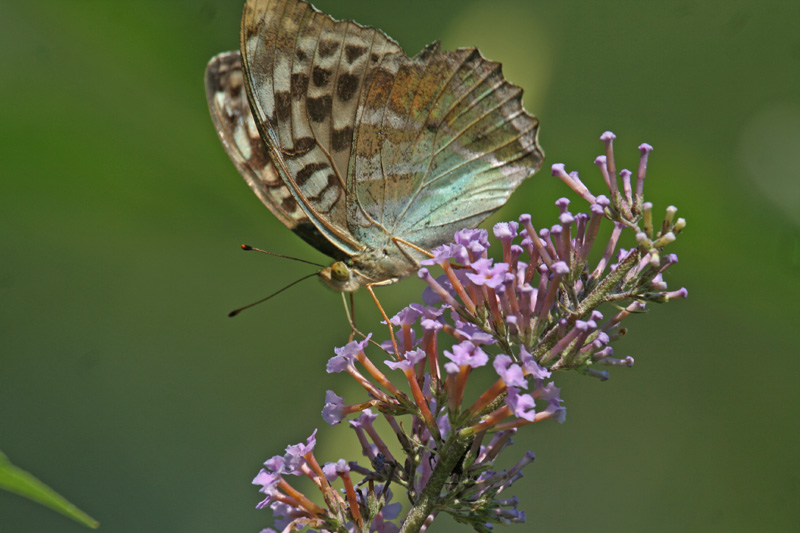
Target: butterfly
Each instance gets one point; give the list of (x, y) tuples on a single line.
[(370, 156)]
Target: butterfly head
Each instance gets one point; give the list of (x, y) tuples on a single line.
[(374, 266), (341, 277)]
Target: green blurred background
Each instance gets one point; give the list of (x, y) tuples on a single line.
[(125, 387)]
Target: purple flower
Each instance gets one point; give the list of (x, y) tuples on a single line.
[(428, 312), (446, 252), (467, 354), (531, 367), (441, 254), (333, 470), (486, 274), (443, 423), (346, 355), (411, 359), (366, 418), (470, 332), (509, 372), (406, 317), (333, 411), (551, 394), (295, 452), (522, 405), (506, 231), (268, 482), (275, 464), (541, 302), (467, 237), (431, 325)]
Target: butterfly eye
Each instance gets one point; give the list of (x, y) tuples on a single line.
[(340, 272)]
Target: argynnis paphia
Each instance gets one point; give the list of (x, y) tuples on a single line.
[(360, 149)]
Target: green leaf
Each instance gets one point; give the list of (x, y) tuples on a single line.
[(17, 480)]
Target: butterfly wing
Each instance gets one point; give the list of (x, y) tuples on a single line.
[(372, 144), (227, 101), (442, 142), (306, 74)]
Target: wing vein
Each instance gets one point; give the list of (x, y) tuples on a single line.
[(435, 103), (468, 126), (416, 141), (479, 155), (424, 183)]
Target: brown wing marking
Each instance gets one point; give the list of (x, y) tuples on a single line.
[(227, 101), (307, 74)]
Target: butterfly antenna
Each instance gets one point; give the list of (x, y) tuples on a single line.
[(248, 248), (248, 306)]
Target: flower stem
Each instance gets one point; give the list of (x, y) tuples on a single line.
[(452, 452), (601, 292)]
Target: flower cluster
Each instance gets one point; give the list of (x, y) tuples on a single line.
[(363, 509), (528, 313), (544, 294)]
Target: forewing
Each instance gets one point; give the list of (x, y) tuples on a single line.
[(227, 102), (306, 74), (443, 141)]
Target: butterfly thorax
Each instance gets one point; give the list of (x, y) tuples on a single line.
[(382, 266)]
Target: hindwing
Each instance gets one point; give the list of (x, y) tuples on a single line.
[(443, 141), (230, 111)]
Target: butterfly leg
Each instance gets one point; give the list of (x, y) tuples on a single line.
[(397, 242), (383, 314), (349, 311), (350, 314)]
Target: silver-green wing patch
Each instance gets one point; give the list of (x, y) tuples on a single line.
[(442, 142)]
